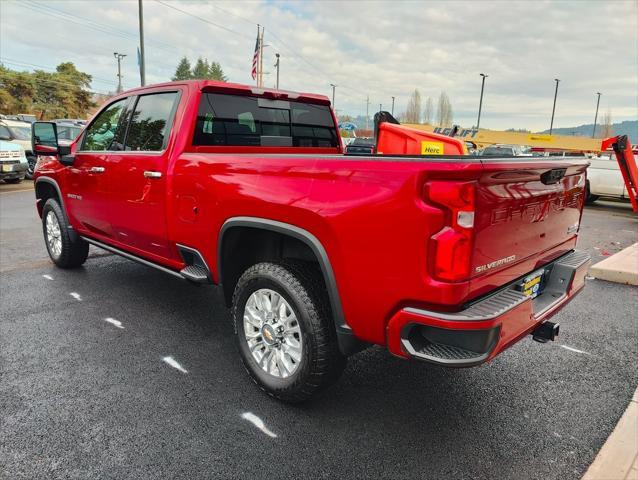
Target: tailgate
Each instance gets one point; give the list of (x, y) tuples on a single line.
[(526, 209)]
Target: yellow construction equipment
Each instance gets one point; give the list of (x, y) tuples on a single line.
[(483, 138)]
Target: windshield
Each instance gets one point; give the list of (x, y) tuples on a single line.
[(21, 133), (362, 142)]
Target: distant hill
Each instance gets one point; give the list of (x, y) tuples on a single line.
[(629, 127)]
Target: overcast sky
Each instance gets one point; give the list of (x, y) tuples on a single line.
[(376, 48)]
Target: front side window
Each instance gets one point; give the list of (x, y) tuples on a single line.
[(234, 120), (101, 134), (149, 125)]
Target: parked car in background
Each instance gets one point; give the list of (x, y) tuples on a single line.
[(604, 179), (13, 162), (76, 121), (19, 132), (21, 117), (67, 131), (360, 146), (500, 150)]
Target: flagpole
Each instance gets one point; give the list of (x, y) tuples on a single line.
[(258, 40), (261, 59)]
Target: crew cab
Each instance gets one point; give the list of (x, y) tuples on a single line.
[(447, 259)]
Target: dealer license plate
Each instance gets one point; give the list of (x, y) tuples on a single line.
[(532, 284)]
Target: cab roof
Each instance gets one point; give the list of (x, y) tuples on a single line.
[(238, 88)]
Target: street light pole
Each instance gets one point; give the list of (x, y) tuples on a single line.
[(551, 125), (142, 61), (367, 111), (333, 94), (380, 107), (277, 65), (478, 121), (593, 134), (392, 107), (119, 57)]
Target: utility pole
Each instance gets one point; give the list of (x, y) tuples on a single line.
[(593, 134), (277, 65), (333, 94), (380, 107), (478, 121), (392, 107), (119, 57), (551, 125), (142, 61), (261, 58), (367, 111)]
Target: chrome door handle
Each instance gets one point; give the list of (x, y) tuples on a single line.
[(152, 174), (97, 169)]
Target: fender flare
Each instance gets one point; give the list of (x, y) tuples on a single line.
[(348, 343), (72, 233)]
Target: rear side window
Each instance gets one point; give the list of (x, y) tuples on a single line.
[(233, 120), (150, 123)]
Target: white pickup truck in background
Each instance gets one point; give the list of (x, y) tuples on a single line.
[(604, 178)]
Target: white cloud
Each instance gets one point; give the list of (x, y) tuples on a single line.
[(376, 48)]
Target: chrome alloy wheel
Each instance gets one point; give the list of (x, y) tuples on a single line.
[(54, 235), (272, 333)]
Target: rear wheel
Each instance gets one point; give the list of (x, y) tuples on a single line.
[(63, 251), (284, 330)]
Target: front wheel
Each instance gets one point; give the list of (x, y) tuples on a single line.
[(63, 251), (285, 334), (589, 198), (31, 161)]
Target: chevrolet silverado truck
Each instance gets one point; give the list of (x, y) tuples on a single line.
[(447, 259)]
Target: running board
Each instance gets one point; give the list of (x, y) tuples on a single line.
[(130, 256)]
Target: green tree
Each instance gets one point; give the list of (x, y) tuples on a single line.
[(201, 69), (215, 72), (183, 70), (63, 93)]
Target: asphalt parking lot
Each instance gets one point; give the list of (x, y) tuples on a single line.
[(87, 390)]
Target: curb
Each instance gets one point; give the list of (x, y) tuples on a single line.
[(621, 267), (618, 459)]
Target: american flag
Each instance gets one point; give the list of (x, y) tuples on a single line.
[(255, 58)]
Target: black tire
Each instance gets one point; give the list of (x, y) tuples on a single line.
[(13, 180), (589, 198), (302, 286), (31, 167), (72, 253)]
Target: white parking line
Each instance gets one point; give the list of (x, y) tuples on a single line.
[(258, 422), (173, 363), (572, 349), (48, 277), (112, 321), (76, 295)]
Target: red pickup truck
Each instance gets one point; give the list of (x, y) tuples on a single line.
[(445, 259)]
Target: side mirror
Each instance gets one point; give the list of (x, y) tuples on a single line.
[(44, 138)]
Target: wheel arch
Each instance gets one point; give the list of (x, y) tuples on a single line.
[(45, 188), (348, 344)]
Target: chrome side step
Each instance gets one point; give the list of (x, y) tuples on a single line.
[(130, 256)]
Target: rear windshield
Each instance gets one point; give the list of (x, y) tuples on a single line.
[(234, 120)]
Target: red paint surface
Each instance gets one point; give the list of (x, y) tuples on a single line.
[(369, 213)]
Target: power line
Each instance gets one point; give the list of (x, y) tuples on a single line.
[(203, 19), (12, 61), (90, 24)]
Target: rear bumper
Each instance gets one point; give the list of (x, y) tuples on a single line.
[(488, 326)]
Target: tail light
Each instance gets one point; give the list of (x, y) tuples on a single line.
[(450, 249)]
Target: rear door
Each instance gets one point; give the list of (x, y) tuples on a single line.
[(87, 197), (138, 183)]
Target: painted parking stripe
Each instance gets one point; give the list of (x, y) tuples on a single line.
[(259, 423), (114, 322), (174, 363), (572, 349)]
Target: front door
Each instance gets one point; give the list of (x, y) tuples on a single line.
[(87, 198), (138, 177)]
